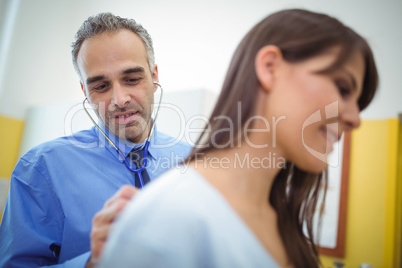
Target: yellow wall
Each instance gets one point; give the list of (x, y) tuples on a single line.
[(374, 197), (10, 138)]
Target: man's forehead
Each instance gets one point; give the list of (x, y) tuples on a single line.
[(113, 48), (108, 40)]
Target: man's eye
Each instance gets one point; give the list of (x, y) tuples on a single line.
[(100, 88), (133, 80)]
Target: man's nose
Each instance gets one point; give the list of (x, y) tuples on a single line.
[(120, 96)]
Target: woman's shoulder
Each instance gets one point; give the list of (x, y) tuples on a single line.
[(181, 218), (173, 211), (179, 190), (181, 200)]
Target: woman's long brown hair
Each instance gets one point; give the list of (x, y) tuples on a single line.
[(300, 35)]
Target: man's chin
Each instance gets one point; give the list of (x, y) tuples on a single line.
[(132, 132), (133, 136)]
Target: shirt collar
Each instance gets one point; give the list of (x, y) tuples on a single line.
[(124, 145)]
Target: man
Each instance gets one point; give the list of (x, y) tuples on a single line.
[(58, 187)]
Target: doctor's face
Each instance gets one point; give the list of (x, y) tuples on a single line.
[(116, 79)]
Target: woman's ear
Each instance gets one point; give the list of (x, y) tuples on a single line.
[(267, 63)]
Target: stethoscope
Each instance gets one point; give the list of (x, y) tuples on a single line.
[(127, 161)]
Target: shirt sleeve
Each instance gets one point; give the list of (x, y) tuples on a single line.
[(79, 261), (32, 221)]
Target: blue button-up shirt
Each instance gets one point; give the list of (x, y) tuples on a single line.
[(57, 187)]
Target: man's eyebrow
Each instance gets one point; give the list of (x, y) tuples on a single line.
[(134, 70), (94, 79)]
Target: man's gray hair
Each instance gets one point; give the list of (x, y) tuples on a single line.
[(107, 22)]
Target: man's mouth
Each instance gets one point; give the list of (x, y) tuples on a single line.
[(126, 118)]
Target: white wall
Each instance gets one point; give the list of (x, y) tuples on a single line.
[(194, 41)]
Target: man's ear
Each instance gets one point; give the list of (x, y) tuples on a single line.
[(82, 88), (155, 76), (267, 63)]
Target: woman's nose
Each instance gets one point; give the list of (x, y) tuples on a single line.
[(351, 116)]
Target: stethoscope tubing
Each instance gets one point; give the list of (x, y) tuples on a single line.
[(139, 170)]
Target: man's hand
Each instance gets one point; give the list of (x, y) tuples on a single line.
[(103, 219)]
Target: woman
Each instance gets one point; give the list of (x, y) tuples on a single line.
[(297, 81)]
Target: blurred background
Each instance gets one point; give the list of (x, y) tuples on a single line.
[(194, 42)]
